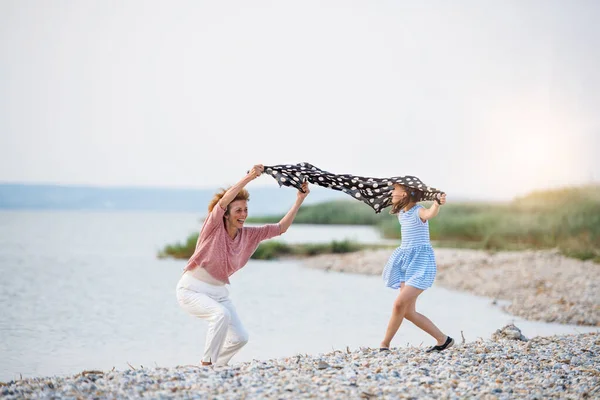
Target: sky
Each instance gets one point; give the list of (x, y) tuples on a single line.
[(482, 99)]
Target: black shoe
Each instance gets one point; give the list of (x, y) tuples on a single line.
[(384, 349), (448, 343)]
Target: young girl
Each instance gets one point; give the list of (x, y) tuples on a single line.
[(411, 267)]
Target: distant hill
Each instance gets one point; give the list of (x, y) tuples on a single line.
[(263, 200)]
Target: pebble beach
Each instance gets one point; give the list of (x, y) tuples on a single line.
[(537, 285), (505, 366)]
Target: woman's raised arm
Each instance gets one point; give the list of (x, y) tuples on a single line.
[(230, 194), (287, 220)]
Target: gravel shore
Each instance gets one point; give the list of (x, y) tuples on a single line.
[(539, 285), (506, 366)]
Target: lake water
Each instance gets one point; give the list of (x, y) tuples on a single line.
[(84, 290)]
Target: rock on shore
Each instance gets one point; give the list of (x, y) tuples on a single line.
[(566, 367), (540, 285)]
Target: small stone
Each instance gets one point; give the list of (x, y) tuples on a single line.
[(508, 332), (323, 365), (576, 361)]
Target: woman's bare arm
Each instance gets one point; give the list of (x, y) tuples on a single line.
[(230, 194), (287, 220)]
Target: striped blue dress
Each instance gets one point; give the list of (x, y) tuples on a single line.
[(413, 262)]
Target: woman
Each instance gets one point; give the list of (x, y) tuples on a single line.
[(223, 247)]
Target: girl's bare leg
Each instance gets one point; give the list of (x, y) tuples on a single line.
[(424, 323), (408, 295)]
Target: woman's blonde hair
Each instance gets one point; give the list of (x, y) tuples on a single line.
[(242, 195), (413, 195)]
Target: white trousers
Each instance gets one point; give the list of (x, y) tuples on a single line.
[(226, 334)]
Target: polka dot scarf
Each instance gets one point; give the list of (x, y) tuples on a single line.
[(375, 192)]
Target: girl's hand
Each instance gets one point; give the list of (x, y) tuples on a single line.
[(301, 195), (442, 199), (256, 171), (427, 213)]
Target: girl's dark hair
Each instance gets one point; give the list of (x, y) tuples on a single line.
[(413, 195)]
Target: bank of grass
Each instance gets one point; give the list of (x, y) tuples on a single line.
[(567, 219), (271, 249)]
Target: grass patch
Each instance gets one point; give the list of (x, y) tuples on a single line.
[(180, 250), (567, 219), (339, 212), (273, 249), (270, 249)]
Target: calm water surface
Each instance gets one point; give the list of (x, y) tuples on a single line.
[(84, 290)]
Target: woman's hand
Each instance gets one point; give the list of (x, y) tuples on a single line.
[(230, 194), (302, 196), (256, 171)]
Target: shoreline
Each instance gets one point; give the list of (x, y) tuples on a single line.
[(505, 366), (539, 285)]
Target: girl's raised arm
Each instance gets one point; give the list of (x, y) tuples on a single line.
[(428, 213)]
